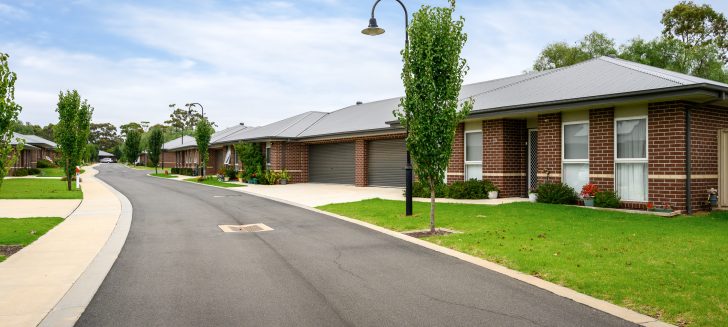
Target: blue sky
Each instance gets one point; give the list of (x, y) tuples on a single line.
[(260, 61)]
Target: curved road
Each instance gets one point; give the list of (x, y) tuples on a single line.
[(178, 269)]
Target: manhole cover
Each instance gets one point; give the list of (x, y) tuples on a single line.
[(250, 228)]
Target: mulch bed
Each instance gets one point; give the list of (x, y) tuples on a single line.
[(8, 250), (421, 234)]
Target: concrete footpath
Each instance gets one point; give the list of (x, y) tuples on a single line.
[(34, 280), (37, 208)]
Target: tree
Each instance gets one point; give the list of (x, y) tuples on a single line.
[(156, 139), (183, 119), (9, 111), (561, 54), (104, 135), (132, 145), (126, 128), (91, 153), (72, 131), (696, 27), (203, 134), (433, 74)]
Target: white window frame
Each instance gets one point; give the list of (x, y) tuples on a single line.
[(646, 160), (268, 153), (465, 154), (565, 161)]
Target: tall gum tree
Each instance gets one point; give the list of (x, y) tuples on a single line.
[(433, 74)]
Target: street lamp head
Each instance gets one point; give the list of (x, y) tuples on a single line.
[(172, 105), (373, 29)]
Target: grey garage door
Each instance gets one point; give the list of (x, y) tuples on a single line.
[(331, 163), (386, 163)]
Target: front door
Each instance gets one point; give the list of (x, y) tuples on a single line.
[(723, 167), (532, 158)]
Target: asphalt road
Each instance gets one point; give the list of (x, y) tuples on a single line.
[(178, 269)]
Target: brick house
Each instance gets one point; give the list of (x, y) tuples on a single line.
[(650, 134), (182, 152), (34, 149)]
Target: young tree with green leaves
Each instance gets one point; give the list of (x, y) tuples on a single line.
[(9, 111), (250, 156), (156, 140), (72, 131), (91, 153), (132, 145), (433, 74), (203, 134)]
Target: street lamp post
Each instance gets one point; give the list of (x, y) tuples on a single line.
[(373, 30)]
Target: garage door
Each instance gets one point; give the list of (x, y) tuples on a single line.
[(386, 163), (331, 163)]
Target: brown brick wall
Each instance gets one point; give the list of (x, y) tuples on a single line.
[(456, 167), (549, 147), (504, 155), (601, 147), (361, 163), (666, 148)]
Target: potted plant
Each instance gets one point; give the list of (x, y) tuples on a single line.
[(493, 192), (284, 177), (253, 178), (533, 195), (650, 206), (713, 197), (230, 174), (588, 192)]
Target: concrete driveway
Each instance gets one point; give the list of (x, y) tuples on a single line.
[(177, 268), (313, 194)]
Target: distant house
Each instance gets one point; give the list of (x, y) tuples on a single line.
[(650, 134), (34, 149), (104, 154)]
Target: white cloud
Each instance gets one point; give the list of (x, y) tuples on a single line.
[(249, 66)]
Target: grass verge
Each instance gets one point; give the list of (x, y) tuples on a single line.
[(21, 232), (214, 182), (164, 175), (675, 269), (36, 188), (53, 172)]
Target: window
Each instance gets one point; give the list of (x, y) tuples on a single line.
[(631, 158), (267, 154), (575, 154), (473, 155), (227, 157)]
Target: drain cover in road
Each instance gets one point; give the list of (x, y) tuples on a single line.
[(250, 228)]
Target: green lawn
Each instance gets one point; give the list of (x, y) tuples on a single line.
[(214, 182), (24, 231), (164, 175), (675, 269), (36, 188), (53, 172)]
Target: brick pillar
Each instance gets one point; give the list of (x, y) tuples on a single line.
[(504, 155), (706, 122), (456, 167), (601, 148), (276, 156), (296, 162), (549, 147), (666, 167), (361, 163)]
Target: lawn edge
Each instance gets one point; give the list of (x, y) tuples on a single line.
[(601, 305)]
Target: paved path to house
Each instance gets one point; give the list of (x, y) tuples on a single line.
[(34, 280), (178, 269), (37, 208)]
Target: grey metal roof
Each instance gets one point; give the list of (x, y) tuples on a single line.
[(189, 141), (598, 77), (35, 140), (105, 154), (290, 127)]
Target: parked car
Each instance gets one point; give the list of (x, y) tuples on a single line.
[(107, 160)]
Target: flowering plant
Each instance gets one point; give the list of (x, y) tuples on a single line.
[(650, 206), (589, 190)]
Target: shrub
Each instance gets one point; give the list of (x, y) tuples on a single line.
[(557, 193), (150, 164), (183, 171), (607, 199), (422, 190), (269, 177), (231, 173), (471, 189), (42, 163), (33, 171), (20, 172)]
